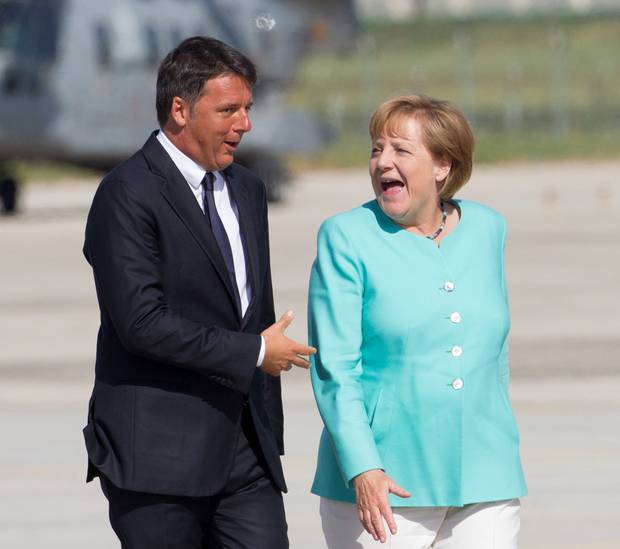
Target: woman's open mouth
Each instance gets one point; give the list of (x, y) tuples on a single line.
[(391, 186)]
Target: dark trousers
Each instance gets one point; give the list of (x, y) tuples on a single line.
[(248, 514)]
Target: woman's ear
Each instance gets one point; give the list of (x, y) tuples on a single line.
[(442, 168)]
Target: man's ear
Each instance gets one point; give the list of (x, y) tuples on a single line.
[(443, 166), (179, 112)]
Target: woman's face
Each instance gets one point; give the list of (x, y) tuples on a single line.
[(405, 176)]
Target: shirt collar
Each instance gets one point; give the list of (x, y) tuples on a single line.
[(190, 170)]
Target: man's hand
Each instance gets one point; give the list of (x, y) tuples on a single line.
[(371, 494), (280, 351)]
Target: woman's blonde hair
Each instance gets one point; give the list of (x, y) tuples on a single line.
[(445, 133)]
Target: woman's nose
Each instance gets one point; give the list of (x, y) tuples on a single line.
[(385, 160)]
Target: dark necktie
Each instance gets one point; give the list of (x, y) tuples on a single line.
[(218, 230)]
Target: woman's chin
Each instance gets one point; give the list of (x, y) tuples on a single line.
[(395, 212)]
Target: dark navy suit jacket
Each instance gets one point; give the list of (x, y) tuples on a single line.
[(176, 362)]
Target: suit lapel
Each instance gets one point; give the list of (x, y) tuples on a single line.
[(247, 226), (177, 193)]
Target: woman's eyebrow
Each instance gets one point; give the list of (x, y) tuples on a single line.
[(400, 141)]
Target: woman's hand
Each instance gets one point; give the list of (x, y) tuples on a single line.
[(371, 493)]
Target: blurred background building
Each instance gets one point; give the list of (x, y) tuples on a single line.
[(538, 80), (394, 9), (77, 78)]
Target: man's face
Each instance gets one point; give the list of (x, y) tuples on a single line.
[(217, 121)]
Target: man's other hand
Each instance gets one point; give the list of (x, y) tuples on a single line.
[(281, 353)]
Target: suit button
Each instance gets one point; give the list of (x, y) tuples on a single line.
[(455, 317), (456, 351), (448, 286), (457, 384)]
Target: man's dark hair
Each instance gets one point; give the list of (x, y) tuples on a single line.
[(187, 67)]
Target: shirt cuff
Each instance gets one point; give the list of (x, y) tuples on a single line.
[(261, 354)]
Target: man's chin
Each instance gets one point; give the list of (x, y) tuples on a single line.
[(225, 161)]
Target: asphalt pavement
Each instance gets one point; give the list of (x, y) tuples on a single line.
[(563, 268)]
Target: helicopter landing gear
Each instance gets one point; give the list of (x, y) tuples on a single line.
[(9, 192)]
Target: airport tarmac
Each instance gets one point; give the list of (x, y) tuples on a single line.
[(563, 268)]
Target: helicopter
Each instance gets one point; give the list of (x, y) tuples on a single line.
[(77, 78)]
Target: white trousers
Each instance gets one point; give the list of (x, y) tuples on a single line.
[(493, 525)]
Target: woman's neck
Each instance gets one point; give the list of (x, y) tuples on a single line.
[(425, 221)]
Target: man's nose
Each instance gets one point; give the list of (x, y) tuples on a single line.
[(243, 123)]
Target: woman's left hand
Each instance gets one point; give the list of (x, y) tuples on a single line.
[(371, 494)]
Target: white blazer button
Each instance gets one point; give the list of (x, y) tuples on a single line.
[(456, 351), (455, 317), (457, 384), (448, 286)]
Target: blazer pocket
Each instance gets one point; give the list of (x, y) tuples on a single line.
[(89, 430), (161, 422), (381, 416), (506, 412), (373, 408), (503, 375), (159, 442)]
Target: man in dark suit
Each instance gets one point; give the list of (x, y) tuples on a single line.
[(185, 423)]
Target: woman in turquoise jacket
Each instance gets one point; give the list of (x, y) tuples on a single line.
[(409, 313)]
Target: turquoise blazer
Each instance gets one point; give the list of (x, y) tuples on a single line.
[(411, 373)]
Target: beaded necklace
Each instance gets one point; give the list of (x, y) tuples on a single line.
[(444, 216)]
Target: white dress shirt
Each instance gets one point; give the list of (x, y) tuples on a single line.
[(226, 209)]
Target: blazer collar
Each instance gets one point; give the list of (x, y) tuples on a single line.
[(247, 226), (191, 171)]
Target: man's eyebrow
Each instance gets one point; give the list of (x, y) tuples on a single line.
[(225, 106)]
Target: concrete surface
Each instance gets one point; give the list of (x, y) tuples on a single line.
[(563, 264)]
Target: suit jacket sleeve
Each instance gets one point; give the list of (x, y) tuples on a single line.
[(335, 329), (271, 385), (122, 247)]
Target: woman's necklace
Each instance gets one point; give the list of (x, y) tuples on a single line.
[(444, 216)]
